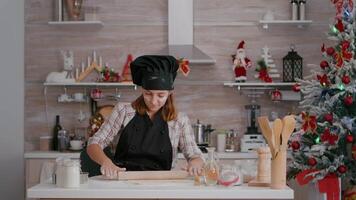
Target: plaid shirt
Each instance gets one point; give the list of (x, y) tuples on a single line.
[(180, 132)]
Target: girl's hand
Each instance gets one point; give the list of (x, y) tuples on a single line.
[(110, 170)]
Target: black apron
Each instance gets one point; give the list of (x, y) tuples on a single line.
[(144, 145)]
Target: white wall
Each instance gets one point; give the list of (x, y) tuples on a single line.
[(12, 100)]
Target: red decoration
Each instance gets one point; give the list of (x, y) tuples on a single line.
[(340, 26), (126, 71), (309, 122), (348, 101), (296, 87), (305, 176), (295, 145), (276, 95), (241, 63), (329, 118), (322, 48), (330, 185), (324, 81), (184, 66), (328, 137), (312, 162), (342, 169), (324, 64), (349, 138), (330, 51), (344, 54), (346, 79), (339, 6)]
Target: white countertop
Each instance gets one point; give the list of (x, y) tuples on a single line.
[(55, 154), (156, 189)]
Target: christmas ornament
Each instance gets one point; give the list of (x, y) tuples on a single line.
[(348, 100), (312, 161), (324, 64), (296, 87), (349, 138), (329, 117), (328, 137), (109, 75), (309, 122), (340, 26), (184, 66), (241, 63), (126, 71), (342, 169), (263, 71), (346, 79), (295, 145), (266, 68), (343, 55), (324, 81), (330, 51), (276, 95)]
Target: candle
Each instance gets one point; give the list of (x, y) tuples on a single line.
[(76, 73), (94, 56), (89, 61), (83, 67), (100, 61)]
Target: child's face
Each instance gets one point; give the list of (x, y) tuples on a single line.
[(155, 99)]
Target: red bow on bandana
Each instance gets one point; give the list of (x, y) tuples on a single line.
[(344, 54), (309, 122), (323, 80), (330, 138)]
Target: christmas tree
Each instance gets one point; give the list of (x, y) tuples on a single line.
[(325, 135)]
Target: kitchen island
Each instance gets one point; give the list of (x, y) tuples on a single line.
[(97, 188)]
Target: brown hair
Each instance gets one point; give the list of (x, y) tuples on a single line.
[(169, 111)]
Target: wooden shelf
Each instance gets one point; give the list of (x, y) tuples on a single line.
[(81, 24), (299, 23), (93, 84), (258, 85)]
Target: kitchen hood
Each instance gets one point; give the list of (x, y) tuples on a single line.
[(180, 34)]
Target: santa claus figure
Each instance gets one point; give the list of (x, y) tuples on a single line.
[(241, 63)]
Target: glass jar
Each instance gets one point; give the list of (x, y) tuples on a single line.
[(211, 168), (230, 141), (229, 175)]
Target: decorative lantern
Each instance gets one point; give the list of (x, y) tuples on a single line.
[(292, 66)]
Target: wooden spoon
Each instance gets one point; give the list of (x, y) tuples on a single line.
[(288, 128), (267, 132), (277, 130)]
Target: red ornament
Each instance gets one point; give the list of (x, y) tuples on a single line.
[(345, 44), (342, 169), (324, 64), (295, 145), (348, 101), (329, 117), (276, 95), (296, 87), (349, 138), (346, 79), (340, 26), (324, 81), (312, 161), (330, 51)]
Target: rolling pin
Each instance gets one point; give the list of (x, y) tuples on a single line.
[(153, 175)]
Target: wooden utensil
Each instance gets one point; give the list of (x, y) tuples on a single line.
[(153, 175), (277, 130), (267, 132), (288, 128)]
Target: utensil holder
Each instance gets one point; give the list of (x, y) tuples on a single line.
[(279, 170)]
